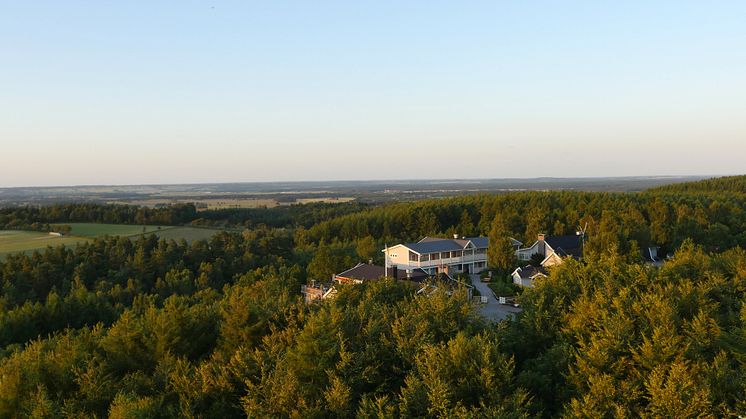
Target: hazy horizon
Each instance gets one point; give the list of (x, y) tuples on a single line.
[(142, 93), (372, 181)]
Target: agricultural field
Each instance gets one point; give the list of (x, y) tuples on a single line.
[(98, 230), (205, 204), (189, 234), (12, 241), (333, 200)]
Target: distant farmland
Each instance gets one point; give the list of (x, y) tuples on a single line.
[(12, 241), (203, 204), (98, 230)]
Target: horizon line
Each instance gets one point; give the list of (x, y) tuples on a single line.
[(269, 182)]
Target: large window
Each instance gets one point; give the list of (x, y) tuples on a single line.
[(425, 258), (434, 256), (413, 257), (456, 254), (445, 255)]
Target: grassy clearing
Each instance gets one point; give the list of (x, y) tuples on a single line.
[(166, 232), (98, 230), (189, 234), (12, 241)]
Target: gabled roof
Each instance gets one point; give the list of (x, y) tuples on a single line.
[(435, 244), (529, 272), (444, 245), (566, 245), (368, 272), (479, 242), (428, 239)]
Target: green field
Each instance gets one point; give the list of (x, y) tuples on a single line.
[(12, 241), (27, 241), (187, 233), (98, 230)]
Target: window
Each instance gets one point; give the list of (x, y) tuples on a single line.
[(413, 257), (425, 258), (434, 256), (445, 255), (456, 254)]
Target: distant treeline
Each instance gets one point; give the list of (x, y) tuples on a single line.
[(305, 215), (717, 221), (36, 217), (39, 218), (720, 184)]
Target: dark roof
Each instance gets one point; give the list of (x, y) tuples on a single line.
[(367, 272), (480, 242), (530, 271), (434, 244), (427, 239), (566, 245)]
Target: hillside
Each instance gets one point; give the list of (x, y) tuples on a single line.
[(718, 184), (149, 326)]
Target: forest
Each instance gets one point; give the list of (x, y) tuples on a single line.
[(148, 327)]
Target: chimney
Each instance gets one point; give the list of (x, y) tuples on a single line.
[(455, 236), (542, 245), (370, 261)]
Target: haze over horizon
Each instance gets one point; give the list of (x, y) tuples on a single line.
[(226, 91), (392, 181)]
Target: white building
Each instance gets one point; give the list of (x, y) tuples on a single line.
[(433, 255), (552, 249), (526, 276)]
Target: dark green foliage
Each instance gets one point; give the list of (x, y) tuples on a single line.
[(160, 328), (720, 184), (38, 218)]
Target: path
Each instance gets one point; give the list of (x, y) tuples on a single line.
[(493, 310)]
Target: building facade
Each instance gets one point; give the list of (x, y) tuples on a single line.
[(435, 255), (552, 249)]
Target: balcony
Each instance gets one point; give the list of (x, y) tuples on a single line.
[(479, 257)]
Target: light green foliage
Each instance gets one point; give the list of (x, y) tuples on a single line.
[(367, 249), (501, 253)]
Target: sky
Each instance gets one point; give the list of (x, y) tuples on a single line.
[(150, 92)]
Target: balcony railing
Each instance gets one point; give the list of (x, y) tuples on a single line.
[(480, 257)]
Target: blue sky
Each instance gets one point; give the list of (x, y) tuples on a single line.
[(105, 92)]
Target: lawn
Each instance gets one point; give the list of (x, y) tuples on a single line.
[(166, 232), (187, 233), (98, 230), (12, 241), (503, 287)]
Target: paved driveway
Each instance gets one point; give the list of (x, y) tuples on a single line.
[(493, 310)]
